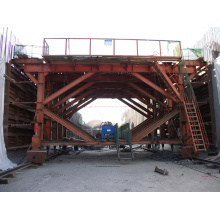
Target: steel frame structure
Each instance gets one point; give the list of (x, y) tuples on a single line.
[(155, 81)]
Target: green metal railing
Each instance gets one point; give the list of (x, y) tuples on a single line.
[(124, 133)]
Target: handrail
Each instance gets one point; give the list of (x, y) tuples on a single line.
[(111, 47)]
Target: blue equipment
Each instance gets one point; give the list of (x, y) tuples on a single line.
[(108, 132)]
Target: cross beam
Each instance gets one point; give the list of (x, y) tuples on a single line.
[(146, 93), (67, 87), (154, 86)]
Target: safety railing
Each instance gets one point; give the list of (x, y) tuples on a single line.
[(111, 47), (190, 99)]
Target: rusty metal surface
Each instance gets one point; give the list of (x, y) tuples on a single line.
[(163, 172), (38, 156), (7, 172)]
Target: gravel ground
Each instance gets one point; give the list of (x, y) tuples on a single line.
[(100, 171)]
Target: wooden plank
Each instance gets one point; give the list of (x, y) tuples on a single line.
[(10, 175), (4, 181)]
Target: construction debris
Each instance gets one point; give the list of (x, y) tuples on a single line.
[(163, 172), (164, 156)]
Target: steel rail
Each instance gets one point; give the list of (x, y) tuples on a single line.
[(7, 172)]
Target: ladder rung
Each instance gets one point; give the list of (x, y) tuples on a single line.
[(125, 158)]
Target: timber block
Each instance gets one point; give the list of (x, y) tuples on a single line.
[(36, 156), (4, 181)]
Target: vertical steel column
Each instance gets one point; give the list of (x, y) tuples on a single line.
[(39, 115), (48, 121), (170, 124)]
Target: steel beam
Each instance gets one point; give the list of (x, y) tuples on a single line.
[(156, 124), (80, 107), (69, 125), (154, 86), (146, 93), (107, 143), (134, 95), (67, 87), (39, 116), (71, 95), (140, 106), (36, 66), (76, 100), (133, 107), (166, 80), (80, 102), (32, 78)]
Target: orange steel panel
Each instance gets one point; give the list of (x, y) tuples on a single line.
[(67, 87)]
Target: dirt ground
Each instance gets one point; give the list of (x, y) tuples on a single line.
[(100, 171)]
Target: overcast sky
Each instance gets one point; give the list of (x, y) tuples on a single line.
[(187, 21)]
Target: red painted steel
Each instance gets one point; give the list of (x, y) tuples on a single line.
[(110, 75), (71, 95), (133, 107), (75, 100), (146, 93), (168, 82), (157, 123), (154, 86), (68, 125), (80, 107), (69, 86)]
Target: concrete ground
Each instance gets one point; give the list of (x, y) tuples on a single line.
[(100, 171)]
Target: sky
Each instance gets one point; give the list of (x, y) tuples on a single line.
[(31, 21)]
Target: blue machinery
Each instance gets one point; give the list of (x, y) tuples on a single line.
[(108, 132)]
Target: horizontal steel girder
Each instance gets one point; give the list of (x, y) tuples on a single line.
[(106, 143), (57, 68)]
